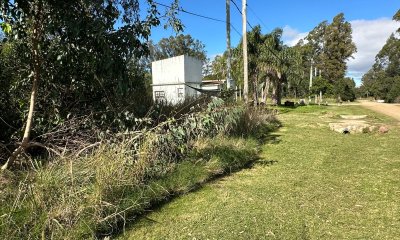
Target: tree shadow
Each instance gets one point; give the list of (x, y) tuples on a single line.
[(230, 161)]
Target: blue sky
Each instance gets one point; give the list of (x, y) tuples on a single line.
[(371, 20)]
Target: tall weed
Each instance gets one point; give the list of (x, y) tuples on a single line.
[(92, 195)]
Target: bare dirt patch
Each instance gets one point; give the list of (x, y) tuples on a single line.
[(391, 110)]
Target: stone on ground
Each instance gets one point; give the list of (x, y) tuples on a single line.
[(351, 127), (353, 117), (352, 124), (383, 129)]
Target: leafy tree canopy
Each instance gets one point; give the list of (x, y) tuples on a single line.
[(328, 47), (66, 59), (383, 79), (177, 45), (338, 48)]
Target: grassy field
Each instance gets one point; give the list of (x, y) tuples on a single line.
[(311, 183)]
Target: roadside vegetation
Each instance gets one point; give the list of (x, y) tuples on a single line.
[(382, 81), (94, 195), (85, 149), (277, 70), (310, 183)]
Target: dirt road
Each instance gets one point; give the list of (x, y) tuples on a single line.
[(392, 110)]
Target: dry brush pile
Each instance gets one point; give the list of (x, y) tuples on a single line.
[(92, 193)]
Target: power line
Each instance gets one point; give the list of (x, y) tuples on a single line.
[(199, 15), (241, 12), (259, 19)]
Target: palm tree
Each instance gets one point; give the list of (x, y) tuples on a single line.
[(280, 64), (270, 62)]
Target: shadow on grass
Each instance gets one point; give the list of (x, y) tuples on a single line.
[(271, 139), (266, 162), (311, 108), (207, 163)]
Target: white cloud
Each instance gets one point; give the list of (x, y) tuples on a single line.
[(292, 36), (369, 37)]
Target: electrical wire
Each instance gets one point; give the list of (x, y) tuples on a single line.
[(237, 7), (254, 13), (199, 15)]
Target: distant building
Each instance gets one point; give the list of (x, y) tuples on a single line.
[(213, 84), (173, 76)]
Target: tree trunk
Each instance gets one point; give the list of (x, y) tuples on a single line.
[(266, 90), (255, 90), (35, 39), (273, 96), (278, 92)]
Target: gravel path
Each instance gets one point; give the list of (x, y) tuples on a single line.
[(392, 110)]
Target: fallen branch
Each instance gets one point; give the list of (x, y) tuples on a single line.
[(21, 149), (49, 149), (86, 148)]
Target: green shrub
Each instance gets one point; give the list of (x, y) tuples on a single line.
[(91, 196), (257, 122)]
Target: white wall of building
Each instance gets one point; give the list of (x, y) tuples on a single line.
[(170, 76), (193, 69)]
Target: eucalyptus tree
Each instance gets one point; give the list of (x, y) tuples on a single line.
[(8, 105), (219, 70), (218, 66), (76, 50), (178, 45), (330, 46), (383, 79), (396, 17), (316, 45), (338, 48)]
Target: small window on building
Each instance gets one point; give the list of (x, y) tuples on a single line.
[(180, 92), (159, 94)]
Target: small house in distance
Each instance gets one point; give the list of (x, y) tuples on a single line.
[(213, 84), (172, 77)]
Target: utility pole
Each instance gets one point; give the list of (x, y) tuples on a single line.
[(228, 44), (245, 60), (311, 78), (311, 74)]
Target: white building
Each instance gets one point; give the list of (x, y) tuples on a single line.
[(172, 76), (212, 85)]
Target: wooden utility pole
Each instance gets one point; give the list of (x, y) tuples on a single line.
[(311, 75), (228, 44), (311, 78), (245, 60)]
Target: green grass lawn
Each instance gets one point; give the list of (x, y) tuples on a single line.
[(311, 183)]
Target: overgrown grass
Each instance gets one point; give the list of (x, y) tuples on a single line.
[(313, 184), (94, 196)]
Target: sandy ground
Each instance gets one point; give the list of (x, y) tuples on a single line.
[(392, 110)]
